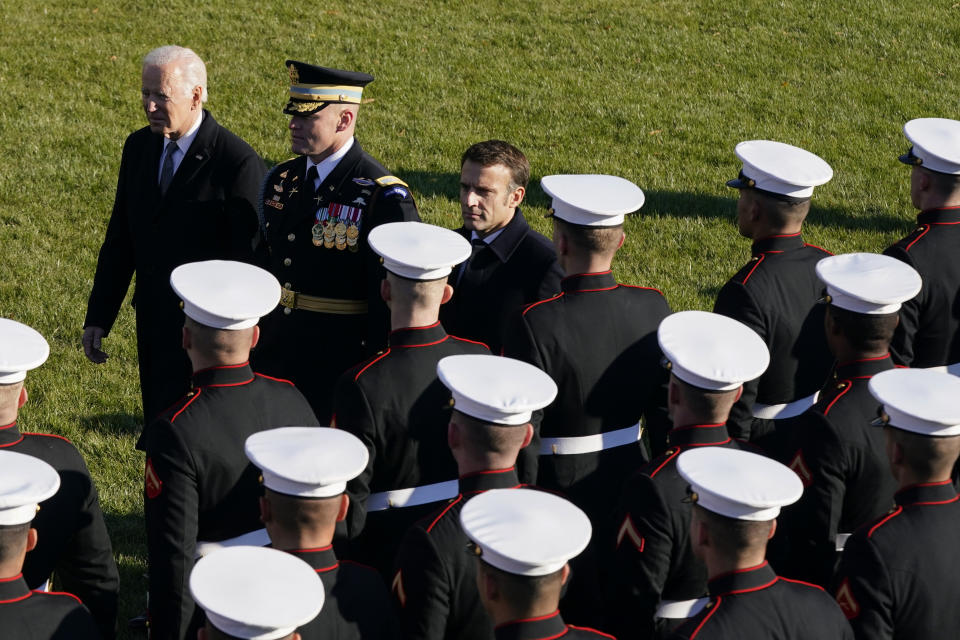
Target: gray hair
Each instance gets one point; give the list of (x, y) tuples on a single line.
[(194, 71)]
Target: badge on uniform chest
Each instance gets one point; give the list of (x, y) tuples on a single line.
[(282, 191), (337, 225)]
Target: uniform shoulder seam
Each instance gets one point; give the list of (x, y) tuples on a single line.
[(539, 302), (926, 228), (596, 631), (482, 344), (370, 364), (188, 403), (849, 385), (760, 259), (261, 375), (443, 513), (636, 286), (670, 457), (884, 520), (49, 435)]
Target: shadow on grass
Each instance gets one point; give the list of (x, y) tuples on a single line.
[(117, 424), (128, 537)]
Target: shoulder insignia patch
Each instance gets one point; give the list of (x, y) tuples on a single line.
[(397, 587), (364, 182), (799, 466), (627, 530), (396, 192), (151, 481), (388, 181), (848, 604)]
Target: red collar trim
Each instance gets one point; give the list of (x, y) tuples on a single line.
[(223, 366), (536, 619), (7, 426), (487, 472), (420, 328)]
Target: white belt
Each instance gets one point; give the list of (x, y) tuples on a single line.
[(414, 496), (953, 369), (841, 541), (258, 538), (680, 609), (589, 444), (786, 410)]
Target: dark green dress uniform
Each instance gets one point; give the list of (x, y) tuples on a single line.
[(336, 318), (73, 541), (545, 628), (776, 295), (929, 331), (208, 212), (755, 603), (198, 483), (395, 404), (516, 268), (31, 615), (841, 460), (356, 603), (435, 584), (898, 575), (651, 556)]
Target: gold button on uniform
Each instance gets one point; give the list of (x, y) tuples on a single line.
[(291, 237), (287, 262), (287, 311), (287, 285)]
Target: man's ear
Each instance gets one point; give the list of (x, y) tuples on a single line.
[(453, 434), (344, 507), (623, 237), (266, 513), (674, 395), (196, 97), (565, 573), (346, 119), (255, 336), (385, 290), (924, 180), (447, 294), (516, 197), (739, 393), (527, 436), (186, 340), (32, 538), (560, 242), (22, 400), (773, 529)]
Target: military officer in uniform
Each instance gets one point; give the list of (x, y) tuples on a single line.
[(317, 211), (898, 574), (736, 498), (394, 402), (252, 593), (74, 544), (305, 473), (838, 456), (523, 541), (199, 487), (929, 331), (511, 264), (655, 581), (435, 582), (776, 293)]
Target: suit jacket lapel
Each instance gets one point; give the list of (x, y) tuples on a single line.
[(195, 157)]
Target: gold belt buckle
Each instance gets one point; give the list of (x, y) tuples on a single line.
[(288, 298)]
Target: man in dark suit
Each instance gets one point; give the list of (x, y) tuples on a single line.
[(512, 265), (186, 192), (317, 211)]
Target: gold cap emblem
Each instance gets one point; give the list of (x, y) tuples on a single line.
[(294, 74)]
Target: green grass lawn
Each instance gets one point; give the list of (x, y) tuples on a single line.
[(657, 92)]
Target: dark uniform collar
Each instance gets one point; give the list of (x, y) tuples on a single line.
[(13, 589), (926, 493), (510, 238), (863, 368), (486, 480), (9, 434), (602, 281), (698, 435), (742, 580), (418, 336), (322, 560), (939, 216), (226, 376), (341, 171), (778, 244), (541, 628)]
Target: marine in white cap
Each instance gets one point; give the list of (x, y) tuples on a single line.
[(737, 496), (252, 593), (305, 473), (523, 541), (776, 292), (394, 402), (898, 574), (929, 331), (74, 543), (654, 577), (597, 340), (494, 399), (25, 482), (840, 459), (198, 486)]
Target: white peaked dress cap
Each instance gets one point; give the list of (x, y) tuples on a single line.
[(417, 250), (780, 168), (25, 482), (22, 348), (495, 389), (592, 200), (525, 532), (739, 484), (936, 144), (307, 462), (919, 400), (256, 593), (868, 283), (711, 351), (224, 294)]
